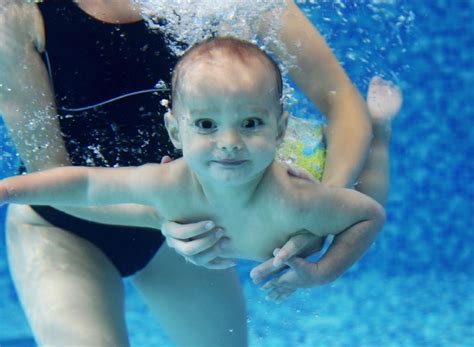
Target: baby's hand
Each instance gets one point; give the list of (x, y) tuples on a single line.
[(302, 274), (301, 245)]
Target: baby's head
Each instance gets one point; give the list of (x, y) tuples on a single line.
[(222, 54), (227, 111)]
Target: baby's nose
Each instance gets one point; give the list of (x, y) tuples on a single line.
[(230, 141)]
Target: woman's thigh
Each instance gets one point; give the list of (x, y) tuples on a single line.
[(195, 306), (71, 293)]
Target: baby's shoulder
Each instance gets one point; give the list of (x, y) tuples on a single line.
[(165, 183), (293, 189), (170, 176)]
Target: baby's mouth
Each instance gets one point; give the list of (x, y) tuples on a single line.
[(229, 162)]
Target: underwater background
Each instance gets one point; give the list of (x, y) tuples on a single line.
[(415, 287)]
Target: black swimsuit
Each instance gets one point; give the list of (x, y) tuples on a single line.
[(91, 62)]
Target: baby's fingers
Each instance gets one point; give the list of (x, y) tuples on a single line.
[(279, 293), (301, 266), (293, 247), (281, 282), (264, 270)]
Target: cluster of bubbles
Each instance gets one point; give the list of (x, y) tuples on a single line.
[(186, 22), (369, 37)]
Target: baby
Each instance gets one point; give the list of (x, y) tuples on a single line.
[(228, 120)]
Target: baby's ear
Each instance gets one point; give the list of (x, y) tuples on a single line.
[(172, 126), (282, 124)]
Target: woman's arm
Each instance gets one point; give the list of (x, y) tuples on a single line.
[(320, 76), (26, 98)]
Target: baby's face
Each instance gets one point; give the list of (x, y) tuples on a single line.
[(230, 119)]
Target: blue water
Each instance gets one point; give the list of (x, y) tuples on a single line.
[(415, 287)]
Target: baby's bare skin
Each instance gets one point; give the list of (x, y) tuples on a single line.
[(255, 230)]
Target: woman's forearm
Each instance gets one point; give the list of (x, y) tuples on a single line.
[(317, 72), (348, 137)]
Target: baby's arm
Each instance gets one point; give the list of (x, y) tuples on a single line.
[(354, 216), (80, 186)]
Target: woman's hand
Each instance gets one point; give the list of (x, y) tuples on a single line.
[(300, 173), (199, 243)]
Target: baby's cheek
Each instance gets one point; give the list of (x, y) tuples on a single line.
[(264, 145), (198, 149)]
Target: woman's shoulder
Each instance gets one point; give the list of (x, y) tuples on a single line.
[(21, 24)]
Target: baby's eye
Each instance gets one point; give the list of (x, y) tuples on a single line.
[(205, 124), (251, 123)]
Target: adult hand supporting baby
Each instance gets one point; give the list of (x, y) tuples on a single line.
[(199, 243)]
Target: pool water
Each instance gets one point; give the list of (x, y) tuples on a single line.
[(415, 287)]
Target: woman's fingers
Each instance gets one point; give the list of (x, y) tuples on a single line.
[(300, 173), (166, 159), (187, 231), (199, 243), (220, 264), (211, 259), (192, 247)]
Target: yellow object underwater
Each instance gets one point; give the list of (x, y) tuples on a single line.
[(303, 146)]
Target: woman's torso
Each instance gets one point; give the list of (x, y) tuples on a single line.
[(92, 61)]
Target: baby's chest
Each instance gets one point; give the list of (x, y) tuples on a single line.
[(253, 232), (253, 236)]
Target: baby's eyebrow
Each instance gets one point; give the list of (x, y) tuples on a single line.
[(201, 111), (241, 109), (253, 108)]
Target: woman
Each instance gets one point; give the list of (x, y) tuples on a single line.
[(68, 271)]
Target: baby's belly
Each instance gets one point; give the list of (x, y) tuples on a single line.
[(257, 248), (261, 247)]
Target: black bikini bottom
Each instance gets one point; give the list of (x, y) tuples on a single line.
[(129, 248)]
